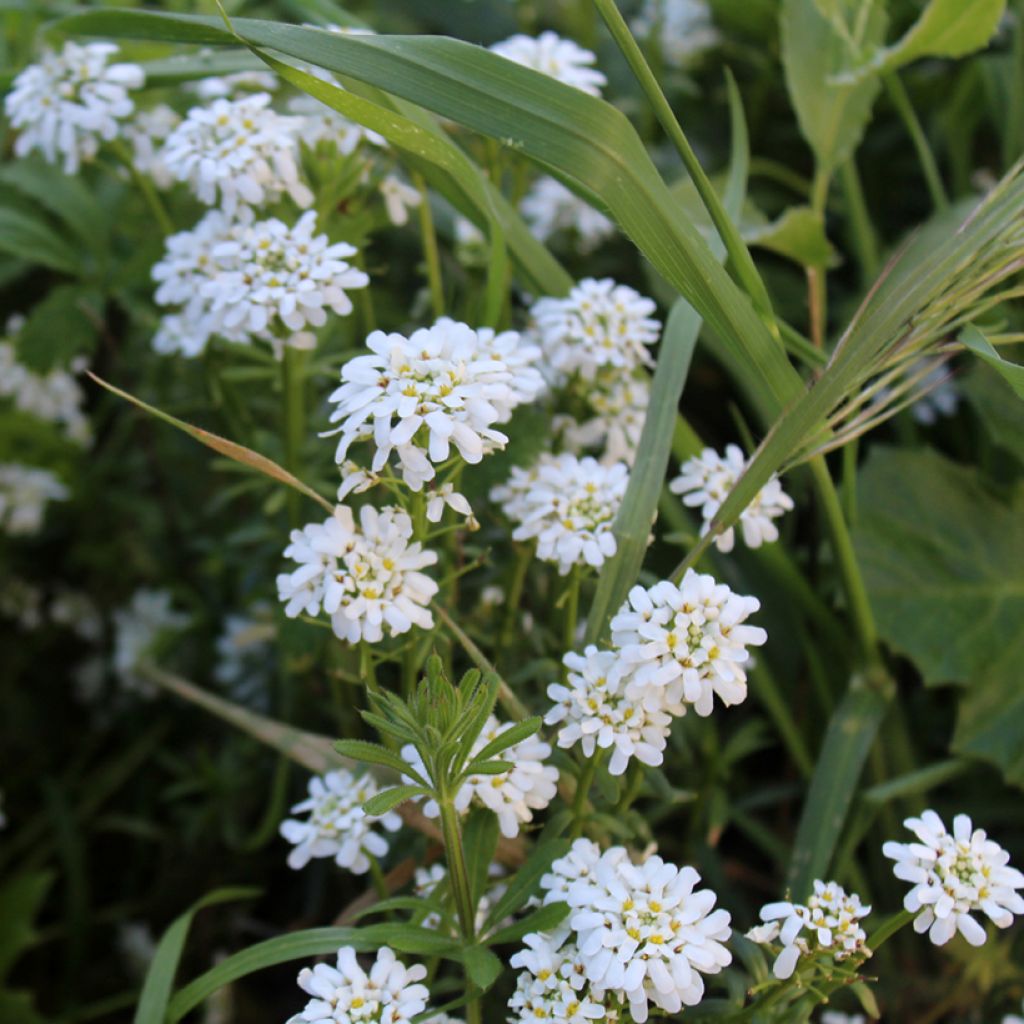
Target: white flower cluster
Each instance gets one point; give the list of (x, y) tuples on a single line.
[(954, 874), (831, 919), (598, 324), (146, 133), (443, 386), (25, 491), (559, 58), (513, 796), (1013, 1018), (364, 577), (346, 994), (217, 87), (639, 932), (673, 647), (54, 397), (323, 124), (597, 713), (549, 208), (70, 102), (618, 402), (835, 1017), (246, 279), (567, 504), (237, 153), (139, 627), (337, 826), (706, 480), (552, 984), (684, 28)]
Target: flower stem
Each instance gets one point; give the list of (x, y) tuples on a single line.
[(431, 253), (901, 101), (572, 609), (514, 598), (294, 421), (145, 186), (579, 800)]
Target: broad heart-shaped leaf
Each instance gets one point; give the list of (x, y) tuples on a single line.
[(832, 115), (578, 136), (946, 28), (942, 559)]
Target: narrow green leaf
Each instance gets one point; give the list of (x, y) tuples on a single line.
[(509, 738), (156, 989), (236, 452), (388, 800), (26, 234), (541, 920), (482, 966), (848, 739), (488, 767), (415, 904), (632, 525), (372, 753), (1013, 373), (526, 880)]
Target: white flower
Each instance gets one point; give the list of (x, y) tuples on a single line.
[(552, 985), (25, 491), (549, 207), (567, 504), (446, 495), (684, 28), (337, 826), (398, 199), (321, 123), (706, 480), (954, 874), (1010, 1018), (942, 396), (688, 641), (579, 863), (69, 102), (599, 323), (139, 628), (54, 397), (346, 994), (444, 385), (136, 945), (831, 919), (217, 87), (273, 274), (643, 931), (237, 152), (835, 1017), (528, 786), (245, 279), (556, 57), (598, 713), (364, 577), (146, 133), (619, 402), (355, 480)]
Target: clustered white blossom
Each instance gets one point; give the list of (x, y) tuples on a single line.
[(639, 932), (835, 1017), (684, 28), (567, 504), (594, 711), (25, 492), (337, 826), (443, 386), (598, 324), (244, 279), (953, 875), (618, 402), (69, 102), (514, 795), (139, 627), (559, 58), (398, 198), (146, 133), (549, 207), (706, 480), (346, 994), (364, 577), (1013, 1018), (237, 153), (54, 397), (830, 918), (216, 87)]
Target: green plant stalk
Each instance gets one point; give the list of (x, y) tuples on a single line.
[(514, 597), (293, 392), (901, 101), (579, 800), (572, 608), (431, 252), (740, 262), (146, 187), (862, 231)]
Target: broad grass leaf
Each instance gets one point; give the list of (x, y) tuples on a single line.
[(942, 557), (156, 989), (832, 116)]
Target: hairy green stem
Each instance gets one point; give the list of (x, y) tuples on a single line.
[(458, 875), (579, 800), (431, 252), (901, 101)]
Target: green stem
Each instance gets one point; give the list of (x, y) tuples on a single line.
[(145, 185), (514, 597), (572, 608), (740, 261), (367, 670), (293, 393), (862, 231), (431, 252), (579, 800), (901, 101)]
